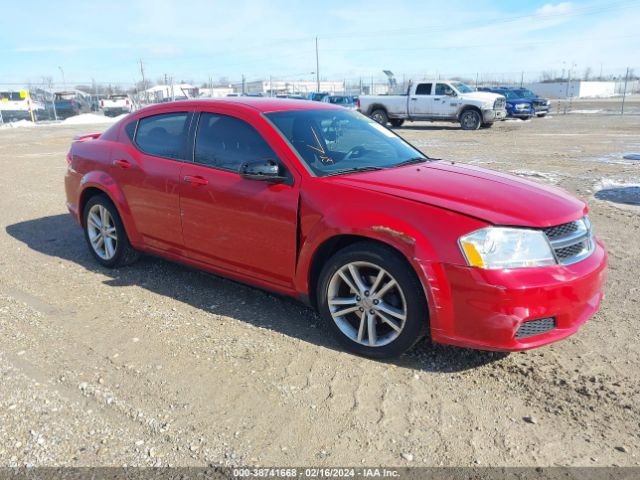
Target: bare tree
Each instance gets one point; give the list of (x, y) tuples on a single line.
[(587, 73)]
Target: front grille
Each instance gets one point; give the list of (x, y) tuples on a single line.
[(561, 230), (536, 327), (571, 242)]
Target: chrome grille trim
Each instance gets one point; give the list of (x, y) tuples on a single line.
[(571, 242)]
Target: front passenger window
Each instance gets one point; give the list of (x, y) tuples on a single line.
[(226, 142)]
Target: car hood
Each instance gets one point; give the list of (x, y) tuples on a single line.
[(519, 100), (491, 196), (488, 97)]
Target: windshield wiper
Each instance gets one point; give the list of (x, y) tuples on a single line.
[(353, 170), (412, 161)]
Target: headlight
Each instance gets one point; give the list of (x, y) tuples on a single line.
[(503, 247)]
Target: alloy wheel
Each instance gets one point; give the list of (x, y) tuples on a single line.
[(367, 304), (103, 235)]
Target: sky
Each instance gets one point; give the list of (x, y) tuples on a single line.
[(196, 40)]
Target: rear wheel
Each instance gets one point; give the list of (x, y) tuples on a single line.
[(380, 116), (470, 120), (105, 234), (372, 300), (396, 122)]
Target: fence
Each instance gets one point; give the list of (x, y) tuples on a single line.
[(620, 86)]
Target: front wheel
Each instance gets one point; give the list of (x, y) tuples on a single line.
[(470, 120), (105, 234), (372, 300)]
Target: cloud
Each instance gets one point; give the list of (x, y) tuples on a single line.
[(552, 9)]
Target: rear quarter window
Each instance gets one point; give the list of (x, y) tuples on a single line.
[(163, 135)]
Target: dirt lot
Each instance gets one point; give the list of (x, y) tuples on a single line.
[(159, 364)]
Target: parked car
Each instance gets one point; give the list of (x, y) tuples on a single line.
[(313, 201), (541, 105), (448, 101), (68, 104), (346, 101), (317, 97), (517, 107), (117, 104), (95, 100), (19, 105)]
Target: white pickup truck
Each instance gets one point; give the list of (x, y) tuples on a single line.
[(117, 104), (440, 100)]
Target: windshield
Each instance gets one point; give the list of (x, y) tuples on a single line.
[(341, 100), (335, 141), (523, 92), (65, 96), (463, 87), (508, 93)]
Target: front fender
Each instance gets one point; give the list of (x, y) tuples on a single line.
[(105, 182)]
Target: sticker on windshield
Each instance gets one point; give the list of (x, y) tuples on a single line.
[(380, 128)]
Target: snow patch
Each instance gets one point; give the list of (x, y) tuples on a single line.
[(549, 177), (18, 124), (586, 111)]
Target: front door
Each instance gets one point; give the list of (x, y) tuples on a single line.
[(243, 226)]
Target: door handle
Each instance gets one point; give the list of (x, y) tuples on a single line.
[(196, 181), (414, 99), (122, 164)]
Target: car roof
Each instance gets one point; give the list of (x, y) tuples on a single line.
[(260, 104)]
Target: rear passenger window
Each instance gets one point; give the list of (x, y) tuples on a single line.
[(163, 135), (226, 142), (423, 89)]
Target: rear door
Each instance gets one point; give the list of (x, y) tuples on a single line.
[(244, 226), (148, 172), (421, 101)]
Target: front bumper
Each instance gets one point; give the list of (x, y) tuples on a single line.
[(491, 115), (484, 309)]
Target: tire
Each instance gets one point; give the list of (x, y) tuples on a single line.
[(380, 116), (405, 300), (396, 122), (114, 250), (470, 120)]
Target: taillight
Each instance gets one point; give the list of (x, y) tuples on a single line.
[(358, 104), (102, 103), (69, 158)]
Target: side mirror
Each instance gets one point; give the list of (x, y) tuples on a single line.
[(264, 170), (452, 93)]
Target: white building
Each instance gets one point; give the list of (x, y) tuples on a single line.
[(215, 92), (158, 93), (573, 89), (292, 87)]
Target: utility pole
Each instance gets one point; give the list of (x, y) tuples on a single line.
[(624, 92), (317, 68), (64, 82), (144, 82), (521, 79), (243, 85)]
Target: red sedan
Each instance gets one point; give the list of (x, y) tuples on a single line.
[(323, 204)]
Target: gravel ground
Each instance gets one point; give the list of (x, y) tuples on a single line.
[(159, 364)]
